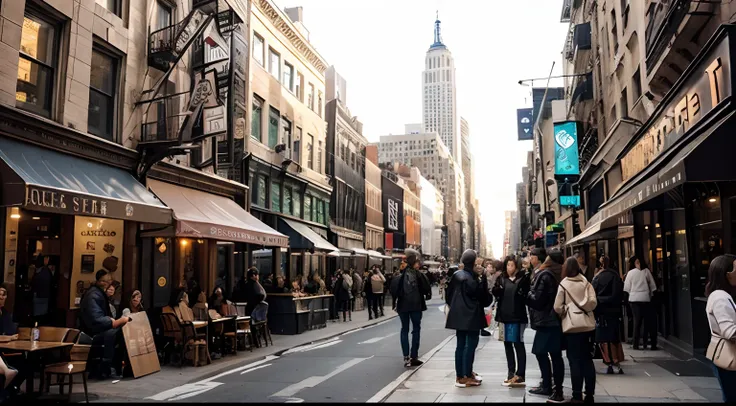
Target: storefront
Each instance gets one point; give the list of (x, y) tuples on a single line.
[(80, 214), (208, 245), (307, 252), (679, 188)]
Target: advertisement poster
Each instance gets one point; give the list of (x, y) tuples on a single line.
[(566, 149), (98, 244)]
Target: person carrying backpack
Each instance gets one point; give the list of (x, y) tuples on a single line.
[(411, 290), (341, 290)]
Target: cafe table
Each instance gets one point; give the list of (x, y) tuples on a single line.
[(29, 348)]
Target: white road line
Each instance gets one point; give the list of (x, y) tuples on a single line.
[(325, 345), (308, 347), (185, 391), (376, 339), (253, 369), (313, 381), (403, 377), (244, 367)]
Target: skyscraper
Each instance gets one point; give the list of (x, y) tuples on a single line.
[(439, 98)]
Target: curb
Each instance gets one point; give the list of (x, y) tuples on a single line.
[(281, 351)]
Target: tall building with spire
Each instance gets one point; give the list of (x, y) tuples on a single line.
[(439, 97)]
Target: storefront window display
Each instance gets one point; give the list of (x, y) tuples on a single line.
[(98, 244)]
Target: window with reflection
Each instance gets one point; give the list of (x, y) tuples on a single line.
[(276, 197), (37, 65), (112, 6), (102, 90)]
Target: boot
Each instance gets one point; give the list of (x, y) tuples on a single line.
[(556, 396), (589, 399)]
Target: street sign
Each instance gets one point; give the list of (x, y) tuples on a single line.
[(525, 124)]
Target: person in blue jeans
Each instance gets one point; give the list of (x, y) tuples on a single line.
[(466, 297), (411, 291)]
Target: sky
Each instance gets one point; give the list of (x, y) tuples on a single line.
[(378, 46)]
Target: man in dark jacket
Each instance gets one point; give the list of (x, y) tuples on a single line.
[(253, 293), (609, 289), (97, 322), (411, 291), (548, 338), (466, 297)]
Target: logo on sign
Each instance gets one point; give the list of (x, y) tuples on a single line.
[(566, 149), (524, 121), (393, 214)]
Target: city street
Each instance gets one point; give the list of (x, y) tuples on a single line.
[(352, 367)]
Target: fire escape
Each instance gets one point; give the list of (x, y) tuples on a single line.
[(208, 119)]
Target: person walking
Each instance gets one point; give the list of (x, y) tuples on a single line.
[(377, 282), (640, 286), (341, 290), (510, 291), (411, 290), (357, 289), (609, 289), (721, 312), (575, 302), (467, 295), (548, 340)]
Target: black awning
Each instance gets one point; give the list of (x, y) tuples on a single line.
[(46, 180), (301, 236)]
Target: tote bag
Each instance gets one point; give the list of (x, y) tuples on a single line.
[(575, 319), (721, 351)]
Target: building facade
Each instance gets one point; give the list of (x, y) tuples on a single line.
[(433, 209), (374, 237)]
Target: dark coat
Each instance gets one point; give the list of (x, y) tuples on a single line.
[(411, 291), (341, 294), (467, 296), (541, 297), (609, 288), (253, 294), (513, 310), (95, 315)]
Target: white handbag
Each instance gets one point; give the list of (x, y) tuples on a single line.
[(575, 319)]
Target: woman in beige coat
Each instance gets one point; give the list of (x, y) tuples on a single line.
[(576, 294)]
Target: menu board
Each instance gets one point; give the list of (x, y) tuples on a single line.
[(141, 347)]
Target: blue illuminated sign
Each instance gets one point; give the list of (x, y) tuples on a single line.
[(566, 149), (570, 201)]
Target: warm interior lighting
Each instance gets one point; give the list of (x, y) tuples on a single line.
[(37, 218), (712, 200), (14, 213), (184, 243), (646, 227)]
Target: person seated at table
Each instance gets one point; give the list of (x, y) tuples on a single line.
[(200, 308), (217, 299), (7, 326), (110, 292), (268, 281), (133, 303), (296, 289), (97, 322), (254, 292), (182, 310)]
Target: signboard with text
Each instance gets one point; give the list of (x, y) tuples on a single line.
[(566, 149), (524, 124)]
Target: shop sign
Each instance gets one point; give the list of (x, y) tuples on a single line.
[(393, 214), (524, 124), (566, 149), (709, 85), (573, 201)]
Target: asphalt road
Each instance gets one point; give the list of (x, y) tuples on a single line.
[(352, 367)]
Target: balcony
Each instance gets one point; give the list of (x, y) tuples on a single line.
[(166, 46)]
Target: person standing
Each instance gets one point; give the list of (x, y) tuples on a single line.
[(510, 291), (721, 312), (467, 295), (609, 289), (377, 282), (640, 286), (575, 302), (357, 289), (411, 290), (253, 292), (341, 290), (42, 287), (537, 258), (548, 339)]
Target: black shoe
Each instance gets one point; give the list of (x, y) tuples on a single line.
[(556, 396), (541, 391), (636, 347), (370, 317), (654, 348), (415, 362), (609, 371), (485, 333), (589, 399), (407, 362)]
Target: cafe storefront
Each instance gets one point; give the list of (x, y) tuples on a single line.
[(673, 208)]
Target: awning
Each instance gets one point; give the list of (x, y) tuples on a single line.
[(376, 254), (46, 180), (205, 215), (360, 251), (598, 230), (341, 254), (303, 237)]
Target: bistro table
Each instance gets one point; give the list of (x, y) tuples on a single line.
[(28, 348)]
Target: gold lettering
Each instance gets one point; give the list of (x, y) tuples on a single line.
[(75, 203), (35, 198), (43, 198), (715, 77), (94, 206), (694, 106), (85, 205), (682, 119), (62, 203)]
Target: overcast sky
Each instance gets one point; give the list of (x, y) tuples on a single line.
[(378, 46)]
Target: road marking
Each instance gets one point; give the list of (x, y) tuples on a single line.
[(185, 391), (294, 400), (313, 381), (313, 346), (253, 369), (388, 389), (244, 367), (376, 339)]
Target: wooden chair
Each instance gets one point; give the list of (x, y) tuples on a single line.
[(24, 333), (184, 337), (172, 332), (259, 324), (52, 334), (244, 331), (72, 336), (193, 342), (230, 333), (76, 365)]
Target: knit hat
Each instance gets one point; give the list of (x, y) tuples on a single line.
[(412, 256), (468, 259)]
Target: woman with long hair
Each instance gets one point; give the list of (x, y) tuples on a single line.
[(609, 289), (640, 286), (721, 312), (576, 297), (510, 290)]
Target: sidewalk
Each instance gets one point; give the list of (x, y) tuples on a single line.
[(136, 390), (650, 376)]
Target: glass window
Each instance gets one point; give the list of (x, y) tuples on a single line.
[(274, 63), (320, 211), (273, 127), (286, 129), (300, 87), (327, 212), (288, 76), (297, 203), (163, 15), (36, 66), (256, 118), (287, 201), (319, 156), (310, 97), (258, 49), (308, 207), (310, 144), (102, 86), (110, 5), (319, 104), (315, 203), (297, 153), (261, 191), (275, 197)]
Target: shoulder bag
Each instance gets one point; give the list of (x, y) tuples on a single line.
[(576, 320), (721, 351)]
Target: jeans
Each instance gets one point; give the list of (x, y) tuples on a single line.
[(580, 357), (416, 322), (467, 342), (380, 299), (644, 314), (517, 366), (727, 380), (554, 370)]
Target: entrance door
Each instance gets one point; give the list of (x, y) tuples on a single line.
[(679, 276)]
